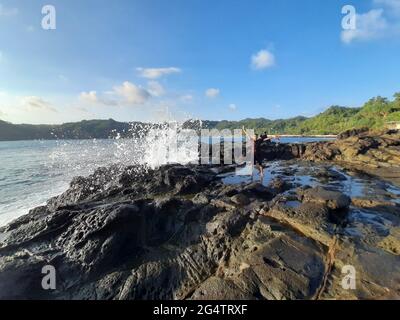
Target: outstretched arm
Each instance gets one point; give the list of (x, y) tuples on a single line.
[(245, 132)]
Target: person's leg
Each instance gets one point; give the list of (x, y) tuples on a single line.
[(255, 172), (252, 171), (261, 168)]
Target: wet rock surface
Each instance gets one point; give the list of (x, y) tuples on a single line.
[(334, 200), (193, 232), (375, 153)]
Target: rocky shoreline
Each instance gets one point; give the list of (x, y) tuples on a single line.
[(193, 232), (375, 153)]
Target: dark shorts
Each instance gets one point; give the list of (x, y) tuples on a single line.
[(258, 160)]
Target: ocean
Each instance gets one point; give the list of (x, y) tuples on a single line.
[(31, 172)]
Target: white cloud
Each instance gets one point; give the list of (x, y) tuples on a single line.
[(155, 73), (7, 11), (186, 98), (262, 59), (212, 93), (393, 5), (155, 89), (232, 107), (90, 97), (125, 94), (131, 93), (35, 104), (2, 114), (370, 25)]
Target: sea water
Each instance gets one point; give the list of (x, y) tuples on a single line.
[(31, 172)]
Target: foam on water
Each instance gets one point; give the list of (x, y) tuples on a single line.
[(170, 144), (31, 172)]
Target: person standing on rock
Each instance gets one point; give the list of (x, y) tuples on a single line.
[(256, 152), (264, 136)]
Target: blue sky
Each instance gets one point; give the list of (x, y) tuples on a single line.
[(223, 59)]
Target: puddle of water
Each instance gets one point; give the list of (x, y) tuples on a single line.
[(363, 224), (369, 217), (307, 181), (293, 204), (393, 190), (270, 173), (230, 179), (332, 177), (362, 221)]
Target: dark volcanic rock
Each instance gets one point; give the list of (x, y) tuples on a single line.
[(172, 233), (336, 202), (352, 133), (330, 174), (332, 199), (270, 151), (179, 233), (377, 154), (280, 185), (240, 199)]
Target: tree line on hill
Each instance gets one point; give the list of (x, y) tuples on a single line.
[(373, 114)]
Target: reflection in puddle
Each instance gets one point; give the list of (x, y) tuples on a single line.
[(361, 223), (293, 204), (331, 177), (361, 220)]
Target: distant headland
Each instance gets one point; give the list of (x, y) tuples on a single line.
[(377, 113)]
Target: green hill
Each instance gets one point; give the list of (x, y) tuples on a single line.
[(373, 114), (87, 129)]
